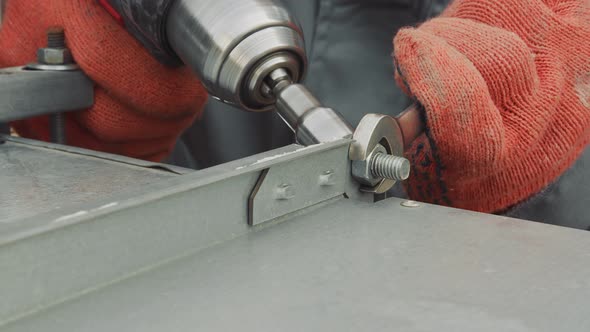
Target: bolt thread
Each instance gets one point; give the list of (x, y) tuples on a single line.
[(390, 167), (58, 128), (56, 37)]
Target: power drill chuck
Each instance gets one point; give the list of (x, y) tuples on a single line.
[(232, 45)]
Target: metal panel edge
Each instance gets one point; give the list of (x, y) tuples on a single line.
[(59, 256)]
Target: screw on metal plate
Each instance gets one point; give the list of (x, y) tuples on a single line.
[(327, 179), (284, 192), (410, 204)]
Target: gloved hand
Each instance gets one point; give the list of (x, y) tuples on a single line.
[(141, 106), (505, 90)]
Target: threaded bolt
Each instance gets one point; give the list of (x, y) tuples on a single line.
[(56, 37), (389, 167), (58, 128)]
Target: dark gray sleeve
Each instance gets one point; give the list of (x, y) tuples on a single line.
[(436, 7), (564, 203)]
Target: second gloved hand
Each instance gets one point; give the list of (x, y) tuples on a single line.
[(141, 106), (505, 90)]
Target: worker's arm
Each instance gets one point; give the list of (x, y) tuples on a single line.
[(504, 89), (141, 106)]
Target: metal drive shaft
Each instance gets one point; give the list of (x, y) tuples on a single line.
[(313, 124)]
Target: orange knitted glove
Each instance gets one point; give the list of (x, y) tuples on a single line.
[(505, 90), (141, 106)]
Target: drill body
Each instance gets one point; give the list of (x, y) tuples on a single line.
[(233, 45), (250, 53), (247, 53)]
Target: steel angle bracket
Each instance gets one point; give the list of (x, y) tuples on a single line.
[(28, 93), (291, 187)]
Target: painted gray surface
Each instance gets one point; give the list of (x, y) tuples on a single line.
[(61, 254), (37, 179), (178, 255), (563, 203), (354, 266)]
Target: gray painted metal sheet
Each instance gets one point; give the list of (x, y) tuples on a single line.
[(61, 254), (27, 93), (175, 253), (286, 188), (38, 178), (352, 266)]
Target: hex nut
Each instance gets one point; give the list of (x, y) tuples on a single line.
[(361, 169), (54, 56)]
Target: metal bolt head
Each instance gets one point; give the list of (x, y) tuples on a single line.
[(284, 192), (54, 56)]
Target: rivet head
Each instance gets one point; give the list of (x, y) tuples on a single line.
[(410, 204), (328, 178), (284, 192)]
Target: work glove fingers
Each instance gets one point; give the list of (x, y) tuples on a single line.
[(141, 106), (508, 66), (113, 122), (505, 90), (14, 40), (573, 11), (153, 148), (461, 116), (128, 73), (523, 16), (504, 61)]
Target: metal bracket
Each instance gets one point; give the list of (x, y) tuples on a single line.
[(287, 188), (27, 93)]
